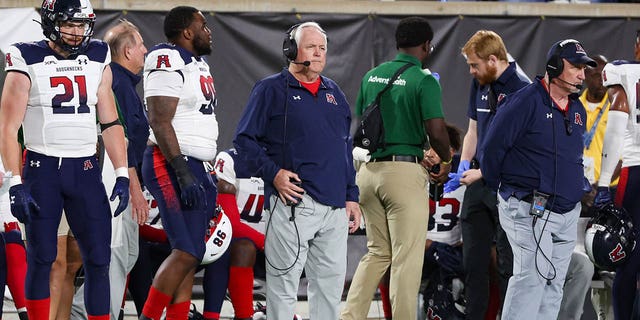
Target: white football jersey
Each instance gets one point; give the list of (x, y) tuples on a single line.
[(174, 72), (249, 189), (446, 214), (60, 119), (627, 74)]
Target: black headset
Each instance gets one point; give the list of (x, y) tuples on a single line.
[(289, 45), (555, 65)]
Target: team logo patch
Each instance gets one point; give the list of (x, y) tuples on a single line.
[(220, 165), (34, 164), (87, 165), (577, 119), (580, 49), (604, 75), (49, 4), (331, 99), (501, 96), (163, 59), (617, 253), (8, 59)]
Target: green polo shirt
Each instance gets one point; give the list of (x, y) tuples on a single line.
[(416, 96)]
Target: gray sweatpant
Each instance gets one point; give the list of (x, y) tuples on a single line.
[(123, 257), (319, 232), (529, 294)]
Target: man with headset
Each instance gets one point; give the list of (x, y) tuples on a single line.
[(296, 125), (533, 152)]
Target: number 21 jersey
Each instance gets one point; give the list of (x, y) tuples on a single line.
[(60, 118)]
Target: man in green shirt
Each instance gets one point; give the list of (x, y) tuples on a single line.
[(393, 185)]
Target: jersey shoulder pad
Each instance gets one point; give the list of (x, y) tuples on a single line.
[(164, 57), (98, 51), (22, 54), (224, 167), (612, 74)]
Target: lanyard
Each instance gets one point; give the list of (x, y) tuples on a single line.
[(588, 135)]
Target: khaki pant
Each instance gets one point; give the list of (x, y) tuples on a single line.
[(394, 201)]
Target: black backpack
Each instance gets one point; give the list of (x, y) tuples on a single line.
[(370, 132)]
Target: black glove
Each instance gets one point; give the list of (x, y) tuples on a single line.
[(22, 204), (120, 190), (191, 191)]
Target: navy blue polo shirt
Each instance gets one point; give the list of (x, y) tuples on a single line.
[(509, 81), (132, 113), (528, 147), (316, 145)]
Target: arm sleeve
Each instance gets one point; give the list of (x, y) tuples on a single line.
[(508, 125), (431, 98), (252, 130), (225, 168), (612, 146)]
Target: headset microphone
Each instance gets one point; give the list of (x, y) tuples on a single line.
[(304, 63), (577, 86)]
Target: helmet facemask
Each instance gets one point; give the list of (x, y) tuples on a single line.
[(56, 12)]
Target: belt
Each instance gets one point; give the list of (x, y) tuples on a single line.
[(402, 158)]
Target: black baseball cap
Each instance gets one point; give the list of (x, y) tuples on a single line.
[(572, 51)]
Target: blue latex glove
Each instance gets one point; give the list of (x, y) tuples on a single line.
[(603, 197), (120, 190), (22, 204), (454, 178)]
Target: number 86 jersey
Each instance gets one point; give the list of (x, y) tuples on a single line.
[(60, 118)]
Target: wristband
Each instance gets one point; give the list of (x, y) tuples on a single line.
[(122, 172), (447, 162), (15, 180)]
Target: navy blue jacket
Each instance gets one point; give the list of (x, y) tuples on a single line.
[(132, 111), (317, 145), (509, 81), (528, 147)]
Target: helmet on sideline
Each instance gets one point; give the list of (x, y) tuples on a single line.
[(218, 236), (54, 12), (610, 238)]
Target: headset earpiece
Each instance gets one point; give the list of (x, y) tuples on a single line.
[(555, 65), (289, 45)]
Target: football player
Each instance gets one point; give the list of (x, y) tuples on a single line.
[(622, 138), (55, 89), (180, 98), (241, 195)]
